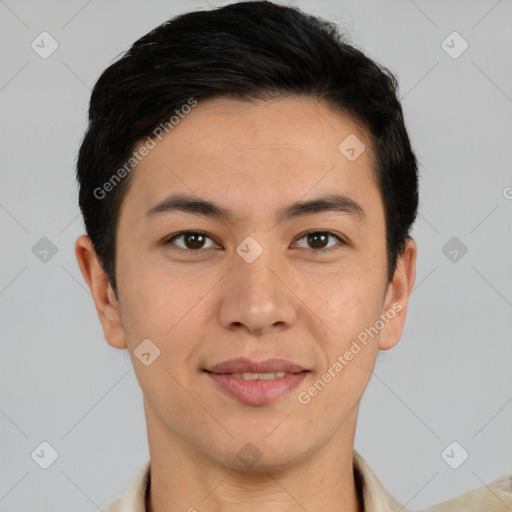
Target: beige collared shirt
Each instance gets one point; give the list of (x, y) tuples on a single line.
[(495, 497)]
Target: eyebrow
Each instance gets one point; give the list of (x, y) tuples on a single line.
[(329, 203)]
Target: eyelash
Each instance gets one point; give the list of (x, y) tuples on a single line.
[(169, 241)]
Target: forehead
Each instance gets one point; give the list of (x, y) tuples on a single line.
[(300, 125), (231, 151)]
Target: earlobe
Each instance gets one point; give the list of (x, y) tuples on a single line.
[(397, 296), (107, 306)]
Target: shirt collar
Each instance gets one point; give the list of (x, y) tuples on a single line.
[(375, 498)]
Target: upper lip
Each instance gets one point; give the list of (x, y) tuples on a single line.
[(243, 365)]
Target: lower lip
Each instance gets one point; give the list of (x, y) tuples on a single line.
[(257, 391)]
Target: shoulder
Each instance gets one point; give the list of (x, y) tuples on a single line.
[(494, 497), (135, 497), (115, 506)]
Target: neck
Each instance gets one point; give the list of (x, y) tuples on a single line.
[(184, 479)]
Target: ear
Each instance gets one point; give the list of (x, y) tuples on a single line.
[(102, 293), (397, 296)]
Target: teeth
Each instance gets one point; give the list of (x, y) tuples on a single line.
[(259, 376)]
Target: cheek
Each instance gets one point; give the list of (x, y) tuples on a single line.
[(350, 352), (347, 304), (161, 303), (163, 311), (149, 302)]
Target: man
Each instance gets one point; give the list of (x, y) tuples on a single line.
[(248, 189)]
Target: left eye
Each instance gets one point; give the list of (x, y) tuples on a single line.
[(194, 240), (319, 238)]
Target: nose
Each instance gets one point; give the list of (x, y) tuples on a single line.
[(256, 296)]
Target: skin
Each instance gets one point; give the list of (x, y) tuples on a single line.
[(207, 305)]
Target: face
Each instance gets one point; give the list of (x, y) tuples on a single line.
[(264, 281)]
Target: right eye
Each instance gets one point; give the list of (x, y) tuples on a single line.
[(193, 240)]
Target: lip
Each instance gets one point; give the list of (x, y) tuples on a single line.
[(243, 365), (257, 392)]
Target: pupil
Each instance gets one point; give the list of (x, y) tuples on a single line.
[(190, 238), (314, 237)]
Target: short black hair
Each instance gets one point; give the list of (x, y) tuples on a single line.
[(250, 50)]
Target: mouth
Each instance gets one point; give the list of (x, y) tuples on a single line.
[(256, 388), (268, 369), (256, 382), (257, 376)]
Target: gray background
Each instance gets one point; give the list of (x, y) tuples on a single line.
[(449, 379)]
